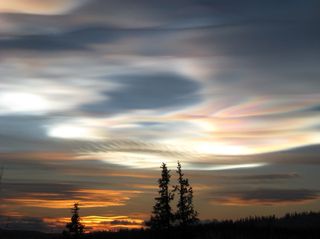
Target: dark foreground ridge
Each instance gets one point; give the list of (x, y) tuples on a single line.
[(292, 226)]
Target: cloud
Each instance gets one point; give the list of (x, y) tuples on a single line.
[(149, 91), (62, 195), (24, 223), (31, 99), (299, 155), (46, 7), (267, 177), (256, 177), (83, 39), (266, 196), (69, 40), (148, 13), (124, 222), (39, 43)]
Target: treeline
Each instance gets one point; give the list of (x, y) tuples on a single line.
[(291, 226)]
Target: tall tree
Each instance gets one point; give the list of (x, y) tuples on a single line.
[(162, 215), (1, 174), (186, 214), (75, 227)]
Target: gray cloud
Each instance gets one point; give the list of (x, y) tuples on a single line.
[(149, 91), (307, 155), (43, 190), (24, 223), (23, 132), (257, 179), (300, 155), (38, 43), (23, 126), (27, 133), (266, 196), (123, 222), (267, 177)]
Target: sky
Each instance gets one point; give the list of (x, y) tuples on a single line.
[(95, 95)]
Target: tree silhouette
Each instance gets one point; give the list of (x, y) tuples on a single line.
[(162, 215), (1, 174), (75, 227), (185, 215)]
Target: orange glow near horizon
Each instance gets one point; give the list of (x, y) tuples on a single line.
[(99, 223), (88, 198)]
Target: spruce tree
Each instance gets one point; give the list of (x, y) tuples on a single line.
[(75, 227), (186, 214), (1, 173), (162, 215)]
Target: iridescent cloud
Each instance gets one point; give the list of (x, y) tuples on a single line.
[(94, 95), (47, 7)]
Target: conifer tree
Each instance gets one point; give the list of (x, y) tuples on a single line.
[(75, 227), (1, 173), (186, 214), (162, 215)]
